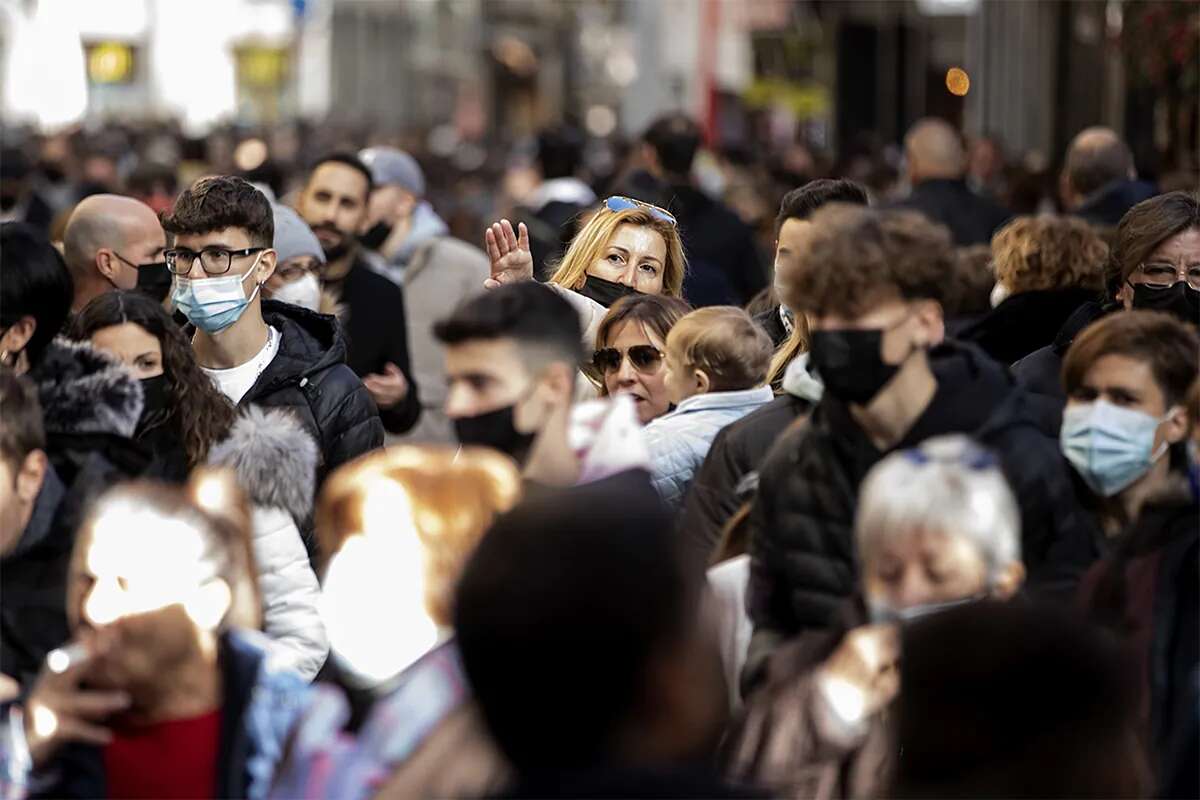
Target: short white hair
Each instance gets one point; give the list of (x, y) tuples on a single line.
[(947, 484)]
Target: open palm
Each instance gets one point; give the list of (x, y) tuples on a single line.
[(509, 253)]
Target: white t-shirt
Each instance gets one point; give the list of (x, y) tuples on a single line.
[(236, 381)]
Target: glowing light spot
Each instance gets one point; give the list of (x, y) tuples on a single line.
[(45, 722), (958, 82), (250, 154)]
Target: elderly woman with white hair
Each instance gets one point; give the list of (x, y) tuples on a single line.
[(936, 526)]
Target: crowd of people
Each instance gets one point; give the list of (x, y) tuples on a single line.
[(302, 495)]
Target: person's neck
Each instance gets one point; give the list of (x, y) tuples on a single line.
[(188, 688), (551, 461), (87, 291), (396, 238), (235, 345), (893, 411), (340, 267), (1134, 497)]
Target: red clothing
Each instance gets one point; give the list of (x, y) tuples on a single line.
[(172, 759)]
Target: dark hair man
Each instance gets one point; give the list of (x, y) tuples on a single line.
[(581, 637), (261, 352), (937, 168), (724, 263), (113, 242), (512, 355), (334, 203), (1099, 181), (871, 282), (35, 295), (552, 209)]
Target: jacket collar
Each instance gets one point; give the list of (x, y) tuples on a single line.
[(309, 343), (720, 400)]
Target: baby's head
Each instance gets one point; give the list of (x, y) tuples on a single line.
[(715, 349)]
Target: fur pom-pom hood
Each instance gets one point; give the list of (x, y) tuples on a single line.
[(83, 390), (274, 457)]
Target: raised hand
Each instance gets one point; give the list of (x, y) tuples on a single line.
[(509, 253)]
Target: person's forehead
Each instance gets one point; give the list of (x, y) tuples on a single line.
[(334, 176), (127, 336), (486, 356), (794, 230), (633, 332), (234, 238), (1118, 369), (638, 239), (1182, 246)]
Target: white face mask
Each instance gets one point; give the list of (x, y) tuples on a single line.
[(305, 292)]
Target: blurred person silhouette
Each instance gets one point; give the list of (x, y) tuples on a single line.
[(398, 526), (936, 527), (969, 298), (1154, 264), (726, 268), (937, 164), (154, 184), (552, 208), (335, 203), (20, 201), (1026, 702), (1099, 182), (714, 372), (437, 271), (1046, 268), (985, 167), (256, 351), (871, 283), (586, 651), (114, 242), (296, 278), (162, 603)]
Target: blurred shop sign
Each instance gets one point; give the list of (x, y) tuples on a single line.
[(262, 67), (943, 8), (110, 63), (806, 101)]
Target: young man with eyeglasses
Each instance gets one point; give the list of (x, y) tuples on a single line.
[(113, 242), (871, 284), (262, 353)]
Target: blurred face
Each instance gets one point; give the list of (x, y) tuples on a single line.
[(1179, 254), (482, 376), (635, 256), (922, 567), (1129, 383), (143, 589), (388, 204), (293, 270), (792, 236), (334, 204), (644, 383), (904, 326), (133, 346)]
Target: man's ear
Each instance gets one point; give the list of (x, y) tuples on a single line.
[(559, 380), (31, 476), (266, 266), (933, 321), (107, 264), (1175, 426)]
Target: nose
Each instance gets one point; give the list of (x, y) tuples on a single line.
[(629, 276), (913, 590), (458, 403), (626, 374)]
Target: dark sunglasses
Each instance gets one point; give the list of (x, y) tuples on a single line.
[(618, 203), (645, 359)]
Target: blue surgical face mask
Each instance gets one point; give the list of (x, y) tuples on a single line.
[(1109, 446), (213, 304)]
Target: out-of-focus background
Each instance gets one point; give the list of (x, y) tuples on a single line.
[(141, 96)]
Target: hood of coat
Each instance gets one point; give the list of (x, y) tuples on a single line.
[(310, 343), (274, 458), (83, 390)]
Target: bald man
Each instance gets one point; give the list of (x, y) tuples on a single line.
[(937, 167), (113, 242), (1099, 182)]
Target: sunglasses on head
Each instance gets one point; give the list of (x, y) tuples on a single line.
[(644, 358), (618, 203)]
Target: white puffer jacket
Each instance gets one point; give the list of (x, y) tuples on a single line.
[(275, 461)]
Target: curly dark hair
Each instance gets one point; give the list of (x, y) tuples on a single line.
[(203, 413), (219, 202)]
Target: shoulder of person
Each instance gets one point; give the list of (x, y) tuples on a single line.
[(451, 248)]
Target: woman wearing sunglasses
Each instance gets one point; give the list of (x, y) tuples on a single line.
[(630, 350), (627, 247)]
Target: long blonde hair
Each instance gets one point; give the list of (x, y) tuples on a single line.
[(794, 345), (589, 244)]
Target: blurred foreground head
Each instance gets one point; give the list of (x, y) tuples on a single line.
[(578, 631), (1012, 700), (397, 527)]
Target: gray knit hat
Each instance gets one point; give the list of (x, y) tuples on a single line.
[(390, 166), (293, 237)]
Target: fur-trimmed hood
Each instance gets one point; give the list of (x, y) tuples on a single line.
[(83, 390), (274, 457)]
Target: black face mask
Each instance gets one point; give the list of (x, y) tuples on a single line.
[(1181, 300), (376, 236), (156, 393), (850, 363), (495, 429), (605, 292), (154, 280)]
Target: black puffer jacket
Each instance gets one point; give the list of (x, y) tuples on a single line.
[(90, 408), (803, 556), (309, 375), (1025, 322)]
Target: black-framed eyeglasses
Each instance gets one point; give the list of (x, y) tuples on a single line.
[(147, 265), (1161, 275), (619, 203), (213, 260), (643, 357)]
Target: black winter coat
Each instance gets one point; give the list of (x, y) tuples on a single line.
[(772, 323), (736, 452), (803, 557), (724, 267), (1105, 208), (971, 219), (1025, 322), (309, 376), (377, 334), (1040, 372)]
